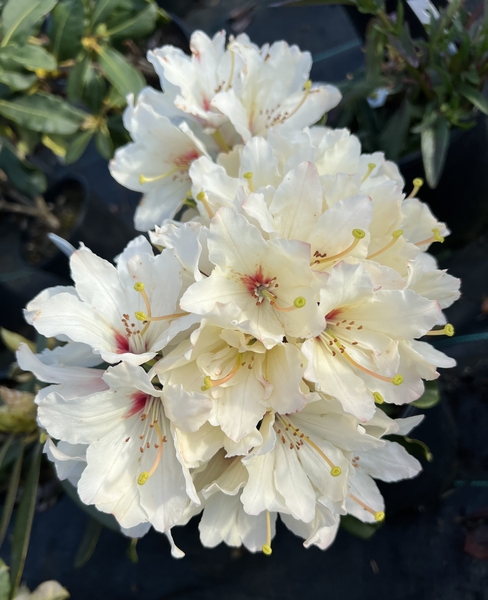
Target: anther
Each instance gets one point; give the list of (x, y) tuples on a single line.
[(357, 234), (397, 380), (202, 196), (371, 168), (378, 398), (143, 477), (139, 286), (418, 182), (335, 471), (141, 316), (394, 237), (446, 330), (437, 237)]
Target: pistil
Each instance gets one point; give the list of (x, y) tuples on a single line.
[(395, 380), (446, 330), (358, 234), (202, 196), (437, 237), (371, 168), (418, 182), (266, 548), (394, 237), (378, 515), (210, 383)]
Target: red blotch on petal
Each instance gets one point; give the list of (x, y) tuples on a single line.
[(255, 281), (206, 104), (139, 400), (185, 159), (121, 343), (333, 314)]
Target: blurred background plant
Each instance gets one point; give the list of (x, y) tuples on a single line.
[(412, 92), (66, 67)]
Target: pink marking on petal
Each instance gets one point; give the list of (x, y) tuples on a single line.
[(333, 314), (252, 282), (185, 159), (206, 103), (121, 343), (139, 400)]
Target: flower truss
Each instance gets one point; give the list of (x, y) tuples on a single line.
[(239, 370)]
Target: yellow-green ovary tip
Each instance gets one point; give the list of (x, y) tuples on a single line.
[(358, 234), (201, 196), (267, 550), (141, 316), (397, 380), (379, 516), (143, 477), (299, 302), (139, 286), (335, 471)]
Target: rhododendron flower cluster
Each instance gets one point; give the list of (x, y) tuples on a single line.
[(236, 365)]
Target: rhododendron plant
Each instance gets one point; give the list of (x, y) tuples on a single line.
[(238, 368)]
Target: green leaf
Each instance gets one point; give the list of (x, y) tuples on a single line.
[(21, 173), (43, 112), (20, 16), (474, 96), (358, 528), (430, 397), (434, 142), (68, 28), (29, 56), (88, 543), (138, 25), (104, 144), (125, 78), (94, 89), (103, 8), (17, 81), (394, 134), (11, 496), (77, 79), (4, 581), (24, 518), (78, 146), (404, 45)]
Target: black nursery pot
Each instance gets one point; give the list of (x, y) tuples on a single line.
[(461, 197), (93, 224)]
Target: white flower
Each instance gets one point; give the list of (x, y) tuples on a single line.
[(128, 312), (269, 283)]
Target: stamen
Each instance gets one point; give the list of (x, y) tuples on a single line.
[(221, 143), (266, 548), (202, 196), (437, 237), (141, 316), (358, 234), (378, 398), (139, 287), (446, 330), (378, 515), (144, 476), (306, 88), (395, 236), (418, 182), (248, 176), (299, 302), (210, 383), (143, 179), (371, 168), (396, 380), (335, 471), (231, 75)]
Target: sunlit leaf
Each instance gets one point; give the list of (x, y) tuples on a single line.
[(20, 16)]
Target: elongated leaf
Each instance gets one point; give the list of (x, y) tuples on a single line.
[(28, 56), (434, 142), (475, 97), (138, 25), (78, 146), (121, 75), (68, 28), (17, 81), (88, 543), (5, 448), (393, 136), (103, 8), (430, 397), (4, 581), (403, 44), (104, 144), (94, 89), (22, 174), (13, 486), (24, 518), (44, 113), (77, 80), (20, 16)]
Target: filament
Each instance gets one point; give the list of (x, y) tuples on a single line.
[(143, 179), (418, 182), (307, 87), (266, 548), (335, 471), (358, 234), (437, 237), (210, 383), (202, 196), (396, 380), (395, 236), (378, 515), (141, 316), (144, 476), (231, 74)]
